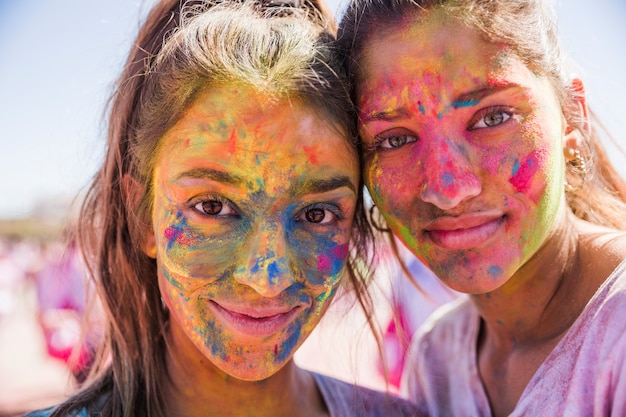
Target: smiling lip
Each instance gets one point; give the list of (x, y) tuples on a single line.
[(256, 322), (464, 232)]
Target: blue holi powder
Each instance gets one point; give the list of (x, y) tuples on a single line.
[(516, 166), (324, 296), (171, 280), (178, 228), (421, 107), (273, 270), (495, 271), (212, 342), (447, 179), (289, 345), (464, 103), (255, 267), (339, 260)]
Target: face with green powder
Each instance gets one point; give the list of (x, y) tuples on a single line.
[(465, 156), (254, 200)]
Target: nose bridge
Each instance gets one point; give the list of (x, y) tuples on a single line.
[(449, 175), (264, 264)]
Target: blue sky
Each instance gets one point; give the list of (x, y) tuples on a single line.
[(59, 59)]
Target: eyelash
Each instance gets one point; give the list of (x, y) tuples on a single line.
[(380, 140), (215, 199), (300, 217), (506, 112), (334, 210)]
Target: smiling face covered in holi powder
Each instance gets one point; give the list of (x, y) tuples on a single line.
[(253, 207), (465, 156)]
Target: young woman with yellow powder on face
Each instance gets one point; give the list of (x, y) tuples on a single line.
[(483, 158), (224, 218)]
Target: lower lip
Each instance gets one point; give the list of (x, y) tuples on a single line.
[(465, 238), (252, 326)]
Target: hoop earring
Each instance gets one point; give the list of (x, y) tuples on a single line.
[(578, 166)]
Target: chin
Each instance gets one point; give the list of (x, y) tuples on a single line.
[(251, 369)]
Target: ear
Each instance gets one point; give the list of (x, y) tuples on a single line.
[(577, 117), (134, 191)]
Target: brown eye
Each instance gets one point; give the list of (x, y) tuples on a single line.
[(212, 207), (315, 215), (215, 207)]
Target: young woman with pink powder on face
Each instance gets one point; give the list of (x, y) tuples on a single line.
[(483, 157)]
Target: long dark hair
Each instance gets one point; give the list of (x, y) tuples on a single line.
[(160, 78)]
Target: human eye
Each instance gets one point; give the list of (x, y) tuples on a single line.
[(319, 214), (491, 117), (393, 140), (214, 206)]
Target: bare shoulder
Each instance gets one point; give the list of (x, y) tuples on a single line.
[(602, 249)]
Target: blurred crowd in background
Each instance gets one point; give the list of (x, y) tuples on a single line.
[(42, 301)]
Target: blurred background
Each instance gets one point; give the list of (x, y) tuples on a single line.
[(58, 61)]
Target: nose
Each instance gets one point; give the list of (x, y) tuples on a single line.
[(265, 265), (449, 177)]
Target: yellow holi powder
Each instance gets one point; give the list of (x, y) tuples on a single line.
[(323, 298)]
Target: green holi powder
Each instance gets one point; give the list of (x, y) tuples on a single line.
[(324, 297), (171, 280), (548, 205)]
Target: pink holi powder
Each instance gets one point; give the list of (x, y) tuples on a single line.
[(323, 263), (171, 233), (232, 141), (179, 237), (340, 251), (523, 178), (311, 153)]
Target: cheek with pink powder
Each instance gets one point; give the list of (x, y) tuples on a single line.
[(193, 252)]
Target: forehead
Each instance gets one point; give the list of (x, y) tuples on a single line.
[(433, 43), (245, 130), (435, 61)]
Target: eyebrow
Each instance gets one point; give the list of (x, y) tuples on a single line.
[(474, 97), (302, 187), (210, 174), (321, 185), (465, 99)]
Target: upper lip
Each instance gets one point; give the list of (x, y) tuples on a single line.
[(258, 312), (462, 221)]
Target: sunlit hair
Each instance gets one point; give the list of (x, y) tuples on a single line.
[(529, 27), (281, 49)]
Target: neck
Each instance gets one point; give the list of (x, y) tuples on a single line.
[(542, 299), (197, 388)]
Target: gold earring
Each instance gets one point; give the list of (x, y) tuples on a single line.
[(577, 164)]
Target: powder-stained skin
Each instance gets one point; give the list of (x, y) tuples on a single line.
[(465, 150), (253, 206)]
